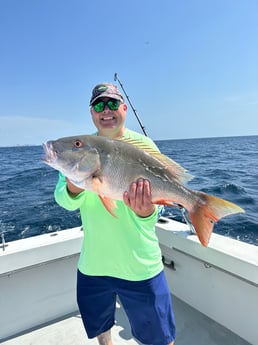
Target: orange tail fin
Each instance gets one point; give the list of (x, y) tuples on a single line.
[(207, 212)]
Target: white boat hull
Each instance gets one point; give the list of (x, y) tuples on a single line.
[(38, 277)]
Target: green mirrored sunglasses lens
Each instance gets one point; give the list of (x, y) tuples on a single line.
[(113, 104), (99, 106)]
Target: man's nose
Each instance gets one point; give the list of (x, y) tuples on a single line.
[(106, 109)]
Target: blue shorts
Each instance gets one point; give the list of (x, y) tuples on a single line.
[(147, 304)]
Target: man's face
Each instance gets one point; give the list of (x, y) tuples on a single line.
[(110, 123)]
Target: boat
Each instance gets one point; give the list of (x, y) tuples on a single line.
[(214, 289)]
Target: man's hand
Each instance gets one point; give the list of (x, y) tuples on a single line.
[(139, 198)]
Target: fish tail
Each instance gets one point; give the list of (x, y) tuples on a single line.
[(207, 211)]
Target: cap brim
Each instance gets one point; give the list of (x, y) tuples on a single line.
[(118, 97)]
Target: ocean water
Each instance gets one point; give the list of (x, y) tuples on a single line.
[(225, 167)]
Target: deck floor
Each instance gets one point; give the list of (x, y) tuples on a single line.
[(193, 328)]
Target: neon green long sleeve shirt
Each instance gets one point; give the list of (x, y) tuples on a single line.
[(125, 247)]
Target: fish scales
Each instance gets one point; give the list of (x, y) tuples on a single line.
[(120, 165), (129, 165)]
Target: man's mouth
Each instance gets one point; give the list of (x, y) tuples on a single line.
[(107, 118)]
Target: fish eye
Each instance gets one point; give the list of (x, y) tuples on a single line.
[(78, 143)]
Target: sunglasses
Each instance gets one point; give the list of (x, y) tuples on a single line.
[(113, 104)]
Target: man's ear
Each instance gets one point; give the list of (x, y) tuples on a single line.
[(124, 107)]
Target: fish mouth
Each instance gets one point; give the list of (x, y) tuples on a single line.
[(50, 154)]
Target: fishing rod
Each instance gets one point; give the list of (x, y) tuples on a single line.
[(133, 109)]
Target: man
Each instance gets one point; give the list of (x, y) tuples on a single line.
[(120, 256)]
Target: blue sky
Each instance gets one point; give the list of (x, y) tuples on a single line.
[(190, 67)]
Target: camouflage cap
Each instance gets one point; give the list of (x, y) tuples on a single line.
[(105, 90)]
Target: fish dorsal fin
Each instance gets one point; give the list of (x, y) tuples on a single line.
[(173, 167)]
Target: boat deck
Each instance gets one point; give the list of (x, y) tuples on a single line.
[(193, 328)]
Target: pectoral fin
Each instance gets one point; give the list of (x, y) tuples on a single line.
[(108, 203)]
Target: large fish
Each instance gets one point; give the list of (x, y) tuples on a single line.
[(107, 167)]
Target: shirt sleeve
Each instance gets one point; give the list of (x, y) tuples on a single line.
[(64, 199)]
